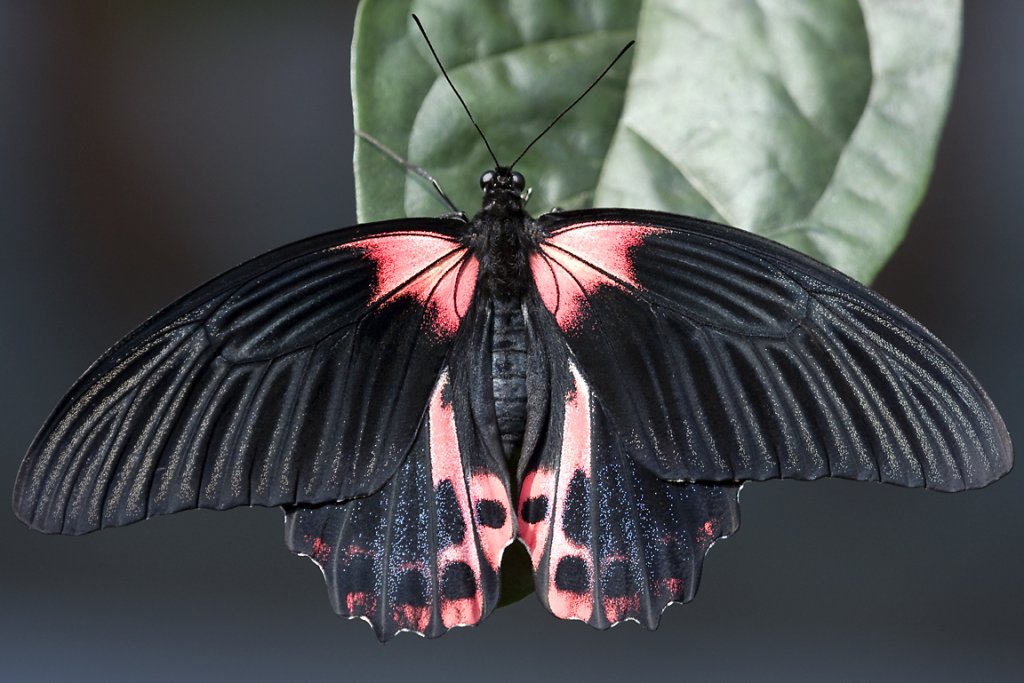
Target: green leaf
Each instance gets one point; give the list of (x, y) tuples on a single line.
[(814, 123), (517, 64)]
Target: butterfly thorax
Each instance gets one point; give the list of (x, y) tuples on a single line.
[(503, 235)]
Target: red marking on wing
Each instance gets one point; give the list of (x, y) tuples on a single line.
[(619, 608), (321, 550), (548, 534), (360, 604), (447, 465), (577, 260), (433, 269), (412, 617)]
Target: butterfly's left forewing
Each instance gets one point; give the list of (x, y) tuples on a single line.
[(299, 377)]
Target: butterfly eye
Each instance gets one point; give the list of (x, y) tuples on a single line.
[(486, 179), (518, 181)]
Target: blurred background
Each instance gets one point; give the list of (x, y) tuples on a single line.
[(145, 147)]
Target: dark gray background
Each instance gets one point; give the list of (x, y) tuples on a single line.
[(142, 152)]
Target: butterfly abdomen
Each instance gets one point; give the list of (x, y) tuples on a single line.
[(508, 371)]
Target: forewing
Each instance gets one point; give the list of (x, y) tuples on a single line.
[(298, 377), (609, 540), (717, 355), (423, 553)]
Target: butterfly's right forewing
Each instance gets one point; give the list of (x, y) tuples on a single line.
[(299, 377), (721, 356)]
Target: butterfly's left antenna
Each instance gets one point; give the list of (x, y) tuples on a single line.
[(412, 168), (455, 90)]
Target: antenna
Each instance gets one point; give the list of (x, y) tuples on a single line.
[(455, 90), (571, 105), (411, 167)]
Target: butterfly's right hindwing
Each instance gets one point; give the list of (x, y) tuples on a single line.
[(298, 377), (609, 540)]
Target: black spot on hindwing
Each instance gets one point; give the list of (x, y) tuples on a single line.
[(359, 573), (534, 510), (412, 589), (491, 513), (451, 528), (616, 579), (576, 521), (572, 575), (458, 582)]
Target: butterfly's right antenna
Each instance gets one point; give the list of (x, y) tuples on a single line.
[(455, 90), (573, 103)]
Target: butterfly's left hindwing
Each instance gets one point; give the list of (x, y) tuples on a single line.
[(423, 553)]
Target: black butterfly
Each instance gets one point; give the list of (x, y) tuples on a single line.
[(420, 393)]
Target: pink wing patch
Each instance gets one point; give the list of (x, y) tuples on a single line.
[(433, 269), (577, 260), (570, 571), (482, 511)]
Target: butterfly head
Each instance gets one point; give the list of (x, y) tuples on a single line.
[(504, 189)]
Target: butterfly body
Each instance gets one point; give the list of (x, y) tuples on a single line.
[(419, 394)]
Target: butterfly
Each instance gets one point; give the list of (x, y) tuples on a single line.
[(420, 394)]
